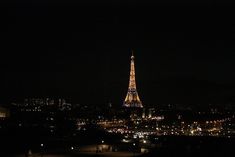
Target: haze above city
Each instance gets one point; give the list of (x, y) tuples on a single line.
[(81, 51)]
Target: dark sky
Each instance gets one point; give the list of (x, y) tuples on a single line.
[(81, 51)]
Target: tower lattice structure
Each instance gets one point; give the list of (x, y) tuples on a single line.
[(132, 98)]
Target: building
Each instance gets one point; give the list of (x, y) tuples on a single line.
[(132, 98), (4, 113)]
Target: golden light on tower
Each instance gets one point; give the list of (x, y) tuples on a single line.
[(132, 98)]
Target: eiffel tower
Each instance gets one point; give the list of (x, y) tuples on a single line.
[(132, 99)]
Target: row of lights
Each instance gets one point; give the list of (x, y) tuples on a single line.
[(72, 148)]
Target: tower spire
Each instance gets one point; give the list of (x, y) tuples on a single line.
[(132, 99)]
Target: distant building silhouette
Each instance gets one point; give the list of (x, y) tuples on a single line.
[(4, 112)]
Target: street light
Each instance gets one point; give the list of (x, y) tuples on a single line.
[(134, 149), (41, 149), (102, 141)]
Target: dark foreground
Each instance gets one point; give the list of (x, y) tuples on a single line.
[(164, 147)]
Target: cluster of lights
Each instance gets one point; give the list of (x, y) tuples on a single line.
[(145, 127), (32, 110), (211, 128)]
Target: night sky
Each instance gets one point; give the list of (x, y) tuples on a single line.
[(81, 51)]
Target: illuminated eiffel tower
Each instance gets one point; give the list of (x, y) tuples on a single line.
[(132, 99)]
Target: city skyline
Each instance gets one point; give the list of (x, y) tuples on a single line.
[(70, 71)]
